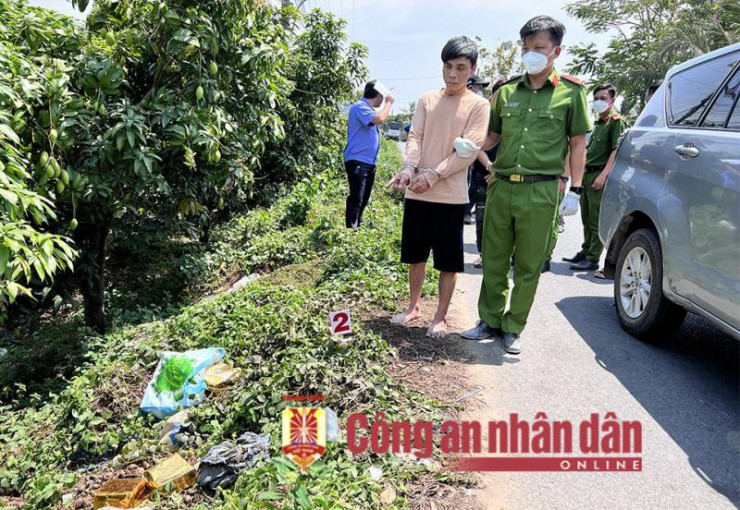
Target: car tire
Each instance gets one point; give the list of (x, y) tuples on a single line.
[(642, 308)]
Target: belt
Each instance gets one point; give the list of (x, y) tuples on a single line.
[(592, 168), (525, 178)]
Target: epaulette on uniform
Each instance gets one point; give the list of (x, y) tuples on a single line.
[(573, 79)]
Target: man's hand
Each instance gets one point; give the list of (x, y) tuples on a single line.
[(400, 181), (599, 182), (569, 205), (419, 184), (389, 99), (488, 178), (561, 187)]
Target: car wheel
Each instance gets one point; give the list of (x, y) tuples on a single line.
[(642, 308)]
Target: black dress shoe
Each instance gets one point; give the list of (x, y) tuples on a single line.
[(512, 343), (581, 255), (585, 265), (546, 267)]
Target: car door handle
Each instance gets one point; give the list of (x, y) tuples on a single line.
[(687, 151)]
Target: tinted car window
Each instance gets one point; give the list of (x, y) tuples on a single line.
[(735, 119), (691, 90), (720, 110)]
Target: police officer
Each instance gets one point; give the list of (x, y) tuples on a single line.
[(537, 117), (600, 154)]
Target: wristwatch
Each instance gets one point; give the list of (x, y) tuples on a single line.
[(564, 178), (577, 189), (489, 166)]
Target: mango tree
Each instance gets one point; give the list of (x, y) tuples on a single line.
[(30, 252), (154, 115)]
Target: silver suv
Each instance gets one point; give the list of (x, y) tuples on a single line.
[(670, 214)]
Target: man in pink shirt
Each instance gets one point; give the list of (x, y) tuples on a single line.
[(448, 129)]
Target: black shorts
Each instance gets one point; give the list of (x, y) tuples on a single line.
[(429, 226)]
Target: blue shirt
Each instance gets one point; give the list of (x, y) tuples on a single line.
[(363, 137)]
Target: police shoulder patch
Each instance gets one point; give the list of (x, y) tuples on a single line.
[(573, 79)]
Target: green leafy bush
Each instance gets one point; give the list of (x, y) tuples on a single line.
[(277, 335)]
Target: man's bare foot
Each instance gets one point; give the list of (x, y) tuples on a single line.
[(438, 329), (406, 317)]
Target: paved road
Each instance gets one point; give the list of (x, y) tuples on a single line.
[(577, 360)]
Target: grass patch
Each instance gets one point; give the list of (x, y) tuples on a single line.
[(301, 276)]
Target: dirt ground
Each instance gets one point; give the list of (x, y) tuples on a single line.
[(437, 369)]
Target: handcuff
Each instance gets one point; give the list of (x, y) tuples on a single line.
[(434, 171)]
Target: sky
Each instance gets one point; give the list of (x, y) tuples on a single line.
[(405, 37)]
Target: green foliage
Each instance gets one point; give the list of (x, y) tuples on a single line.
[(276, 334), (649, 38), (28, 251), (324, 77), (502, 61), (406, 115)]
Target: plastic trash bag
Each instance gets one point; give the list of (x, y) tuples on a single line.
[(223, 463), (178, 382), (174, 374), (177, 431)]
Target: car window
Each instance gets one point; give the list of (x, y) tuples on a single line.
[(690, 91), (735, 119), (720, 110)]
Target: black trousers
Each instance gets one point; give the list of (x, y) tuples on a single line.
[(471, 191), (477, 194), (361, 178)]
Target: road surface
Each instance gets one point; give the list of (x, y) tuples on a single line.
[(576, 361)]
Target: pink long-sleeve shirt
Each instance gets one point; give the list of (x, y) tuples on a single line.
[(438, 120)]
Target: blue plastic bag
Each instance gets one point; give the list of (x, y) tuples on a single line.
[(166, 403)]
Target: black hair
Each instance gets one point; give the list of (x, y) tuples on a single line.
[(654, 86), (370, 92), (608, 87), (460, 46), (541, 24)]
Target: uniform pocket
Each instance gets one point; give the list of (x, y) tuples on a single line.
[(556, 115), (551, 123), (508, 112)]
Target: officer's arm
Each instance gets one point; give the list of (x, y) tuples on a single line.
[(577, 158), (491, 140), (578, 125), (483, 159), (618, 128), (609, 164)]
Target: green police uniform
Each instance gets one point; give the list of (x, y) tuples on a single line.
[(603, 141), (554, 235), (534, 126)]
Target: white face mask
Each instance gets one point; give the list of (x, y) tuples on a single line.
[(535, 62), (479, 92), (600, 106)]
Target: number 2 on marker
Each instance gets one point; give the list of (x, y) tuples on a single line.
[(340, 322)]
